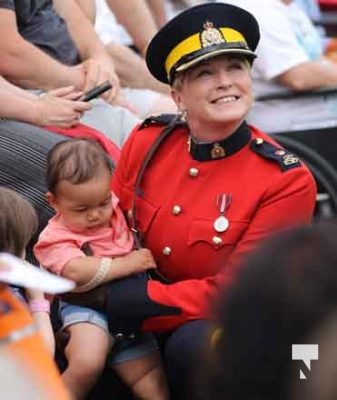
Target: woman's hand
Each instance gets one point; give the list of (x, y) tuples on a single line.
[(59, 107)]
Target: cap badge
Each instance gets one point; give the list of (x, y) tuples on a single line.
[(211, 35)]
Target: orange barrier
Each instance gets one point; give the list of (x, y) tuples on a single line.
[(23, 347)]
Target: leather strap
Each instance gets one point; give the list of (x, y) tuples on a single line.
[(149, 156)]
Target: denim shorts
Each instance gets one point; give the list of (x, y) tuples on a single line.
[(123, 350)]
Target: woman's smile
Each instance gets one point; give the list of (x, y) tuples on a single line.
[(225, 99)]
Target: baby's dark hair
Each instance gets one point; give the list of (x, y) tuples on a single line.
[(75, 160), (18, 222)]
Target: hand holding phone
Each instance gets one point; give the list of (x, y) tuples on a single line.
[(96, 91)]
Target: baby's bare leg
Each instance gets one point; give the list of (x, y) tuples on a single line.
[(145, 376), (86, 353)]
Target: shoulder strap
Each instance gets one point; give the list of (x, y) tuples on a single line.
[(151, 274), (161, 119), (285, 159), (159, 140)]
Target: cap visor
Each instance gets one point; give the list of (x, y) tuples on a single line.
[(211, 54), (15, 271)]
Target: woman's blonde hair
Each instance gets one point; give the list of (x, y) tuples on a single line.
[(18, 222), (180, 76)]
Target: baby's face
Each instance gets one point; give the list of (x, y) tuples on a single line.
[(85, 206)]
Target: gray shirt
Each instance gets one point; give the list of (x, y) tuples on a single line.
[(40, 25)]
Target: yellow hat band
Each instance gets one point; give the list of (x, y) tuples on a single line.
[(194, 43)]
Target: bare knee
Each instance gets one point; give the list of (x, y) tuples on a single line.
[(86, 354), (145, 376)]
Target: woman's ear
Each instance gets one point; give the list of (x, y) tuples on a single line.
[(52, 200), (177, 99)]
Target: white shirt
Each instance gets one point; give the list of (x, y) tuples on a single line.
[(107, 27), (280, 49)]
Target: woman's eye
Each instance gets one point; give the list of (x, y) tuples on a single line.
[(236, 65), (203, 72)]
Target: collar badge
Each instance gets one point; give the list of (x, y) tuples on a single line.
[(217, 151)]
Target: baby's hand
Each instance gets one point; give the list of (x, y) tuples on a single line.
[(139, 261)]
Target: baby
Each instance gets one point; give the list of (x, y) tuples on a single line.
[(89, 242)]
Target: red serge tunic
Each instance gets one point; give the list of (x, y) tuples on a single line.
[(177, 206)]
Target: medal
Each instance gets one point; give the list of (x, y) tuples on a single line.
[(224, 201), (221, 224)]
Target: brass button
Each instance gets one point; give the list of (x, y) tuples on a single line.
[(216, 240), (259, 141), (193, 172), (176, 210), (167, 251), (119, 336)]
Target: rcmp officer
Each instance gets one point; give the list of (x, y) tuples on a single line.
[(201, 189)]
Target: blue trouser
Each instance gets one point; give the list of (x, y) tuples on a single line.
[(183, 354)]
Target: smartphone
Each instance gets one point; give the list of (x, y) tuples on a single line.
[(96, 91)]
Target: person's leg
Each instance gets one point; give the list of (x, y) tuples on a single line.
[(87, 349), (148, 102), (115, 122), (86, 353), (182, 351), (145, 377), (140, 367)]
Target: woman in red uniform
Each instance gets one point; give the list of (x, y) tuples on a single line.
[(202, 189)]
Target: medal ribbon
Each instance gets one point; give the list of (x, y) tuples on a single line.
[(223, 202)]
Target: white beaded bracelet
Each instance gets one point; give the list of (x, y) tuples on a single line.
[(103, 269)]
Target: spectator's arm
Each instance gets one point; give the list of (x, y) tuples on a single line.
[(158, 10), (127, 62), (89, 9), (310, 75), (14, 106), (80, 28), (26, 65), (7, 87), (17, 103), (42, 320), (24, 106), (137, 19), (97, 64)]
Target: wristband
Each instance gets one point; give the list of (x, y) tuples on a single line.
[(39, 305), (103, 269)]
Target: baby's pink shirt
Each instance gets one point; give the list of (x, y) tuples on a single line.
[(57, 244)]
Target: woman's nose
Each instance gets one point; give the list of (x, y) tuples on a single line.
[(223, 79)]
